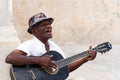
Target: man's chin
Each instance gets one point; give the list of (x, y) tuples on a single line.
[(49, 37)]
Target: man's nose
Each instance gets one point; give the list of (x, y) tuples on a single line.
[(49, 25)]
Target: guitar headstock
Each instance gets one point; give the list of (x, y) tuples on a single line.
[(104, 47)]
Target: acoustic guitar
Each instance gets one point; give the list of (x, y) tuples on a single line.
[(61, 72)]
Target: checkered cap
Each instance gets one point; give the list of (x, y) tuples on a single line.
[(36, 19)]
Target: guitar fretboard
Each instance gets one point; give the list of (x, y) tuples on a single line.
[(64, 62)]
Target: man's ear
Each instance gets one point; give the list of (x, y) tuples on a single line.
[(33, 31)]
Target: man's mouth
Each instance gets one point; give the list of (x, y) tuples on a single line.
[(49, 31)]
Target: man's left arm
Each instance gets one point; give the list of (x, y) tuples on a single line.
[(76, 64)]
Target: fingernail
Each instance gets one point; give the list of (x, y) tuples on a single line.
[(51, 55)]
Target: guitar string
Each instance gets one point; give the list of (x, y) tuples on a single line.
[(64, 62)]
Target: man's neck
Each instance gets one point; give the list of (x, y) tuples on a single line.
[(45, 42), (46, 45)]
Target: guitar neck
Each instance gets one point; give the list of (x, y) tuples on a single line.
[(65, 62)]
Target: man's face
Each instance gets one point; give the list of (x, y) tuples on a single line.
[(44, 30)]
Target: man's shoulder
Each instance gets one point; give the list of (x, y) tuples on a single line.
[(52, 42), (25, 44), (27, 41)]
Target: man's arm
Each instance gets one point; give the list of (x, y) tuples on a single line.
[(75, 65), (19, 58)]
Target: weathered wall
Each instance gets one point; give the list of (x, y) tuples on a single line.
[(76, 21), (8, 37)]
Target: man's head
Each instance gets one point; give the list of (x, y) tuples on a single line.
[(38, 18)]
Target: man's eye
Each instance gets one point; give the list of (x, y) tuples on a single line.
[(44, 24)]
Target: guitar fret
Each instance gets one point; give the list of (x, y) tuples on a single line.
[(64, 62)]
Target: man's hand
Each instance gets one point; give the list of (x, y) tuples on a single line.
[(46, 61), (92, 54)]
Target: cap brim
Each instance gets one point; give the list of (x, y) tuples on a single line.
[(32, 26)]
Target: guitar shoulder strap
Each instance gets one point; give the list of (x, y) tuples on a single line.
[(31, 72), (12, 73)]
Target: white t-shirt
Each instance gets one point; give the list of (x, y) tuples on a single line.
[(35, 47)]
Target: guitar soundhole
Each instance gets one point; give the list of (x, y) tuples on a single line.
[(51, 71)]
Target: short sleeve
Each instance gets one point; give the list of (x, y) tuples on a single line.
[(25, 47)]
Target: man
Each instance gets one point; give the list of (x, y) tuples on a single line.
[(40, 27)]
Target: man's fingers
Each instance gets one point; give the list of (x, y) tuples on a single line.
[(90, 47), (52, 64), (51, 56)]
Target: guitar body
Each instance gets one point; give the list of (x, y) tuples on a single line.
[(23, 72)]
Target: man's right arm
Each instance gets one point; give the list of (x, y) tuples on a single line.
[(19, 58)]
